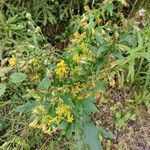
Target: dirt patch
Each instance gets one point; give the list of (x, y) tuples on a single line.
[(134, 134)]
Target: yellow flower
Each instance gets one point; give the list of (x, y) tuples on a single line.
[(86, 8), (12, 61), (39, 109), (35, 78), (34, 124), (76, 34), (63, 112), (61, 71), (76, 58), (78, 37), (75, 90), (61, 64), (35, 62), (62, 109), (84, 21), (69, 118), (84, 47)]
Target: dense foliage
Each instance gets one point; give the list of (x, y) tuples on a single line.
[(58, 58)]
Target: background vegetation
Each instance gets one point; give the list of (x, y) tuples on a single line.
[(75, 74)]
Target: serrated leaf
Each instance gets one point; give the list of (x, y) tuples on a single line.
[(45, 83), (127, 38), (99, 39), (117, 54), (66, 98), (18, 77), (27, 107), (101, 49), (89, 106), (2, 89), (110, 8), (92, 48), (91, 136)]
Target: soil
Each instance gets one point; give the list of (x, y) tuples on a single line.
[(134, 135)]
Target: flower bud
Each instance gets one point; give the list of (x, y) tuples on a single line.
[(28, 16)]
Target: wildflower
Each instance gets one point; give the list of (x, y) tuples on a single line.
[(39, 109), (63, 112), (76, 34), (86, 8), (76, 58), (61, 71), (75, 90), (112, 82), (35, 62), (62, 109), (34, 124), (12, 61), (28, 16), (142, 12), (3, 78), (36, 78), (84, 47), (78, 37), (84, 21), (69, 118)]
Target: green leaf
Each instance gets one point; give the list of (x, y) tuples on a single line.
[(52, 66), (92, 48), (69, 131), (128, 38), (101, 49), (91, 136), (18, 77), (107, 134), (131, 72), (100, 85), (117, 54), (99, 39), (2, 89), (89, 106), (45, 83), (110, 8), (67, 99), (25, 107)]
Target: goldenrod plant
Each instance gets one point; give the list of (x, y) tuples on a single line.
[(52, 84)]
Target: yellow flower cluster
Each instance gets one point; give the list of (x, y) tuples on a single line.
[(64, 112), (44, 125), (80, 92), (75, 90), (61, 69), (84, 95), (12, 61), (76, 58), (84, 22), (84, 47), (35, 62), (35, 78), (78, 37), (86, 8)]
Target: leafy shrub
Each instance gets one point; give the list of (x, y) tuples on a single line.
[(59, 88)]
